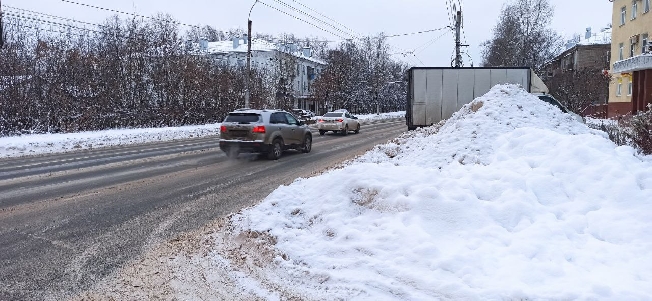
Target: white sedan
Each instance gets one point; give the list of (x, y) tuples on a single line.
[(339, 121)]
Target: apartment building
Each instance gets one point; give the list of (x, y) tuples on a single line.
[(269, 56), (590, 52), (630, 91), (580, 68)]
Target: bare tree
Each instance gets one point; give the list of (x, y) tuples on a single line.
[(207, 32), (579, 89), (522, 36), (362, 78)]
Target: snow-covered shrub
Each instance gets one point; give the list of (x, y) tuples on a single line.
[(635, 131)]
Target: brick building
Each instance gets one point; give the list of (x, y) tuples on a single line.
[(577, 74), (591, 52)]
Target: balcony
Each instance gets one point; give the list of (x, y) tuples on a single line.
[(637, 63)]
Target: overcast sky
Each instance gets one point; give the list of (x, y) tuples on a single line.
[(365, 17)]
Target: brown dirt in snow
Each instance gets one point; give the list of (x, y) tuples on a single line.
[(184, 268)]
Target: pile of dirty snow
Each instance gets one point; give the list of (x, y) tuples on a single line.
[(509, 199)]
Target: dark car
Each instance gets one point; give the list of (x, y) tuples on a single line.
[(553, 101), (303, 114), (267, 132)]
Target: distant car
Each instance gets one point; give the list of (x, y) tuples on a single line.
[(268, 132), (339, 121), (303, 114), (553, 101)]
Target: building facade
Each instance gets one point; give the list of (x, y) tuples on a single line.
[(291, 66), (591, 52), (576, 76), (630, 90)]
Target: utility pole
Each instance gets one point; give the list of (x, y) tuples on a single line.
[(2, 36), (380, 40), (248, 81), (458, 44)]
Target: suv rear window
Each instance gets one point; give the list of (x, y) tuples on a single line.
[(333, 115), (242, 118)]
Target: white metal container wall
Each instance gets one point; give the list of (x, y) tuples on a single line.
[(438, 93)]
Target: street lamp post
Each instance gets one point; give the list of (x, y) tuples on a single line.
[(248, 79)]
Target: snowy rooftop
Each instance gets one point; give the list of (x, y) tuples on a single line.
[(599, 38), (227, 46), (257, 45)]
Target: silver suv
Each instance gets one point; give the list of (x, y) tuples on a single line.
[(263, 131)]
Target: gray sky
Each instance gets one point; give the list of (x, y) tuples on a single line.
[(366, 17)]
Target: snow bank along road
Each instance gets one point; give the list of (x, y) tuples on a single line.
[(69, 220)]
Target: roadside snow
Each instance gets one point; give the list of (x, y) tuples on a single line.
[(509, 199), (24, 145)]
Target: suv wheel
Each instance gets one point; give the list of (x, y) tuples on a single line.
[(276, 151), (345, 131), (357, 129), (322, 132), (307, 144)]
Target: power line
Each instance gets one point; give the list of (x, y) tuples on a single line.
[(415, 33), (48, 22), (449, 9), (348, 32), (62, 25), (316, 19), (17, 24), (130, 14), (389, 36), (349, 29), (50, 16), (429, 43), (302, 20), (416, 57)]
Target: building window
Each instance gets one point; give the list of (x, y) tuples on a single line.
[(623, 15), (619, 89), (644, 38), (634, 9), (621, 49), (646, 6), (629, 88), (632, 47)]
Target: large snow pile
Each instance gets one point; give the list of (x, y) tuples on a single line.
[(510, 199)]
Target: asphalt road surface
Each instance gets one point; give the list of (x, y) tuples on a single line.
[(69, 220)]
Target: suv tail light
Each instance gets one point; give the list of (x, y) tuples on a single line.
[(320, 120), (340, 120), (223, 129), (259, 129)]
